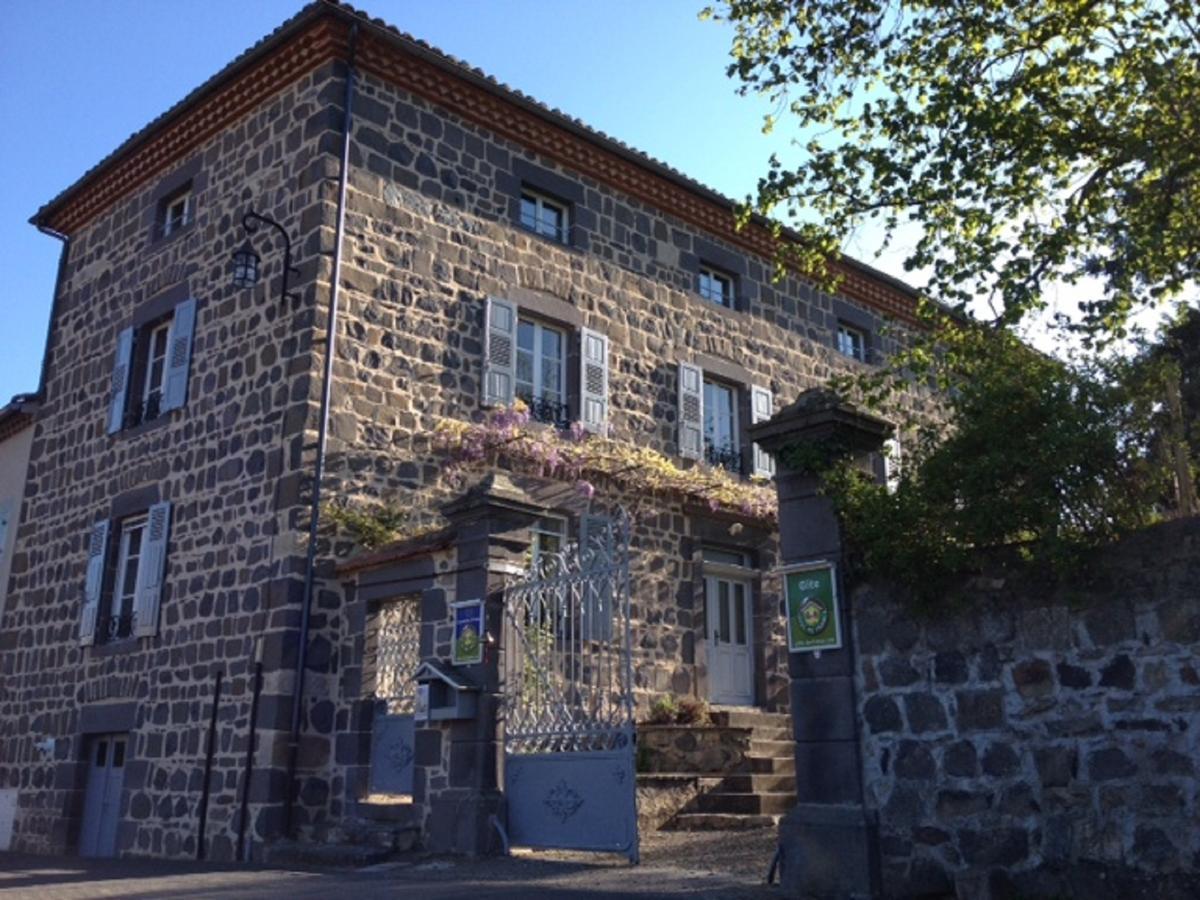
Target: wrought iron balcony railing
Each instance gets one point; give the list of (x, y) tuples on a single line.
[(110, 629), (543, 409), (139, 411), (725, 456)]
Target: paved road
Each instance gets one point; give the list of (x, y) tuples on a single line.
[(712, 865)]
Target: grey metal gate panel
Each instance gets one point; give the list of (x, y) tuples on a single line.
[(575, 801), (392, 754), (568, 701), (396, 657)]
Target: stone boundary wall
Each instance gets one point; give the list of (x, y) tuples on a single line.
[(1043, 741)]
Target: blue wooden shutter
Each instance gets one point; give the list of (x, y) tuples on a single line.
[(691, 411), (762, 407), (151, 568), (119, 383), (97, 550), (179, 359), (593, 381), (499, 352)]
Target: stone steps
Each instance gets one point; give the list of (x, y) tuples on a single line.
[(721, 822), (746, 804), (751, 792)]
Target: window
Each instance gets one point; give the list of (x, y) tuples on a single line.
[(722, 557), (852, 342), (721, 425), (123, 585), (150, 372), (116, 623), (716, 286), (175, 211), (549, 536), (541, 376), (545, 216)]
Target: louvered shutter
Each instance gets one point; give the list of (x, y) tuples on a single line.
[(119, 384), (500, 352), (93, 582), (151, 567), (762, 407), (593, 381), (596, 548), (691, 411), (179, 358)]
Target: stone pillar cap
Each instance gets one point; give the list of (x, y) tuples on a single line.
[(495, 491), (820, 416)]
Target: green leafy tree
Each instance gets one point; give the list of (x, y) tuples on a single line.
[(1043, 457), (1029, 141)]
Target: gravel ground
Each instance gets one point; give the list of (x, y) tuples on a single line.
[(674, 864)]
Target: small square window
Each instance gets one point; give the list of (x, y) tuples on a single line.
[(715, 286), (175, 211), (545, 216), (852, 342)]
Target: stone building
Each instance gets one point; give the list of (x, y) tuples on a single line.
[(482, 248)]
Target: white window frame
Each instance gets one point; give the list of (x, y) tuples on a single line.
[(149, 386), (539, 226), (548, 526), (538, 387), (715, 286), (181, 201), (117, 602), (709, 408), (847, 335)]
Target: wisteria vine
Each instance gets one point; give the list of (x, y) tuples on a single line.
[(508, 437)]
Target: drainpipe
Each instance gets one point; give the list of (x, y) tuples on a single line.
[(244, 812), (208, 763), (322, 434), (58, 278)]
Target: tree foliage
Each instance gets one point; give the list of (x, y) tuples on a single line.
[(1043, 457), (1030, 141)]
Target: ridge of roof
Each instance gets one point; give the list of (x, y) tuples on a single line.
[(449, 63)]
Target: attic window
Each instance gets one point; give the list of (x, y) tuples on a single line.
[(176, 211)]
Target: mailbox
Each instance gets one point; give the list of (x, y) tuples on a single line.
[(447, 694)]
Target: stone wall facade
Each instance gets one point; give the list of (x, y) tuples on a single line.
[(430, 234), (1041, 742), (227, 462)]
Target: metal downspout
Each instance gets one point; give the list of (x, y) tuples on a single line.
[(322, 434), (58, 278)]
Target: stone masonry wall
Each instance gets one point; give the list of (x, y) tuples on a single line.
[(430, 234), (226, 463), (1043, 740)]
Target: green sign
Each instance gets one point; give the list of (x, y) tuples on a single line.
[(812, 607)]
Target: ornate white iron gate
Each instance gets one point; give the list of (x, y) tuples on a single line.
[(397, 655), (568, 729)]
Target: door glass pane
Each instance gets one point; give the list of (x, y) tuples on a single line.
[(118, 754), (723, 608), (101, 752), (739, 612)]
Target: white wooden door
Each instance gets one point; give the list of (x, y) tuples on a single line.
[(730, 641), (102, 802)]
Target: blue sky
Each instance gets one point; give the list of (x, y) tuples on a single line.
[(80, 76)]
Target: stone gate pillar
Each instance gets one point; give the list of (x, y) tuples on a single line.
[(460, 780), (829, 842)]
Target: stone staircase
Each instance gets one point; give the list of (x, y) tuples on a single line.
[(752, 786)]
